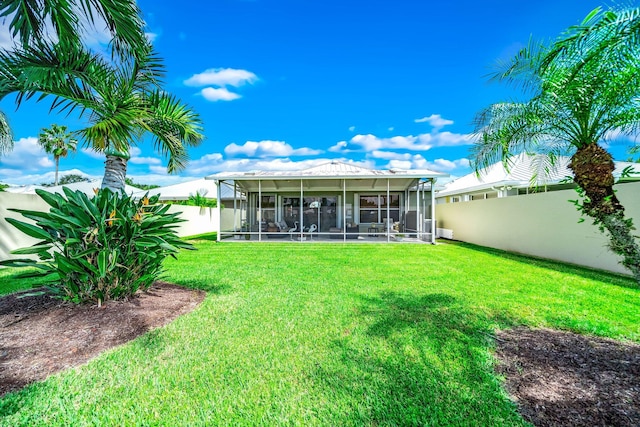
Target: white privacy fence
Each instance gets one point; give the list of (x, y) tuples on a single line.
[(544, 225), (198, 220)]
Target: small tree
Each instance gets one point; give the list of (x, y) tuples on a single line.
[(58, 142)]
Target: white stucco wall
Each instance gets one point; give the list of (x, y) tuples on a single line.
[(10, 237), (198, 221), (544, 225)]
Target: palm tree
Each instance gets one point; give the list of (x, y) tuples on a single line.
[(122, 100), (57, 141), (584, 88), (30, 21)]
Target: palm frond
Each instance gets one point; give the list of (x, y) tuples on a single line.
[(174, 127)]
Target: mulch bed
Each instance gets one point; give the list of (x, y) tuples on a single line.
[(40, 335), (564, 379)]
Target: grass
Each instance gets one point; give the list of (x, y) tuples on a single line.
[(332, 334)]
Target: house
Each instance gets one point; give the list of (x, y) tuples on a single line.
[(182, 191), (499, 208), (86, 187), (334, 200), (524, 174)]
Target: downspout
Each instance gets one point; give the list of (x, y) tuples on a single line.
[(418, 200), (433, 211), (300, 209), (387, 221), (218, 184), (344, 210), (259, 210)]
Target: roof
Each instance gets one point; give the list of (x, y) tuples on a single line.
[(522, 169), (334, 169), (327, 177), (183, 190), (86, 187)]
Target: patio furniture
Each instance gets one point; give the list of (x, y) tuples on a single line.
[(373, 231), (336, 233)]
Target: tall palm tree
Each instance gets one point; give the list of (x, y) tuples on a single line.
[(584, 88), (57, 141), (122, 100), (31, 21)]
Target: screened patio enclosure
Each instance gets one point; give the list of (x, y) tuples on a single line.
[(335, 200)]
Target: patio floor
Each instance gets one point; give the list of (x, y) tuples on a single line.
[(322, 238)]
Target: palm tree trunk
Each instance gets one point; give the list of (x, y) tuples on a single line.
[(57, 166), (115, 171), (593, 168)]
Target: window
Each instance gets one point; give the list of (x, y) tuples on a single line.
[(268, 208), (373, 207)]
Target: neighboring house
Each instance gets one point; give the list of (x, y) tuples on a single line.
[(525, 174), (206, 188), (86, 187), (182, 191), (500, 209), (333, 200)]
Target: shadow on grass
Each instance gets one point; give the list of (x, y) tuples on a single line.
[(562, 267), (422, 360), (207, 285)]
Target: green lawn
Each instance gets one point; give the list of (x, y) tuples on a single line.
[(331, 335)]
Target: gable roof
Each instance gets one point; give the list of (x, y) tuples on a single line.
[(522, 171)]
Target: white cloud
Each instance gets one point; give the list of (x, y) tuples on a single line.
[(222, 77), (340, 147), (18, 178), (422, 142), (218, 94), (390, 155), (267, 148), (352, 128), (151, 36), (217, 80), (417, 161), (6, 41), (391, 129), (27, 154), (371, 142), (145, 160), (449, 139), (92, 153), (435, 120)]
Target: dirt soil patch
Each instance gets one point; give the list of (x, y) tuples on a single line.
[(564, 379), (40, 335)]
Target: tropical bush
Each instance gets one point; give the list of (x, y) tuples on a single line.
[(95, 249)]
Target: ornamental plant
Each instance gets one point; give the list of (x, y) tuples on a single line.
[(100, 248)]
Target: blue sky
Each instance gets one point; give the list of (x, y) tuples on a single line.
[(284, 84)]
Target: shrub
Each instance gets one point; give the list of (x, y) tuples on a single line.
[(100, 248)]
